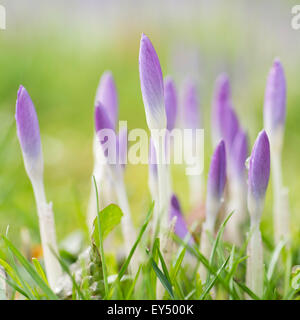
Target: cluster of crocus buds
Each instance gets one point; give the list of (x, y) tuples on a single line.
[(227, 180), (29, 136)]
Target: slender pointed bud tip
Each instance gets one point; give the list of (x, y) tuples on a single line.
[(259, 167), (170, 102), (152, 86), (217, 173), (229, 127), (27, 125), (275, 98)]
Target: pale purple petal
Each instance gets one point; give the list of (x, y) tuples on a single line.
[(259, 167), (27, 124), (102, 120), (191, 112), (217, 172), (152, 86), (275, 98), (180, 228), (239, 154), (170, 103)]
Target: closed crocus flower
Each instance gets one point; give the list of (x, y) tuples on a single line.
[(191, 116), (258, 179), (259, 171), (216, 180), (152, 86), (180, 227), (107, 96), (275, 101), (221, 99), (170, 102), (29, 136), (29, 133)]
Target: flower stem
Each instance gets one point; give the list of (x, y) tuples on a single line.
[(47, 232)]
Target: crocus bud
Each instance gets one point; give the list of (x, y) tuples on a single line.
[(170, 103), (29, 134), (215, 184), (191, 106), (259, 173), (180, 228), (275, 101), (239, 154), (152, 86), (221, 99), (107, 96), (229, 127)]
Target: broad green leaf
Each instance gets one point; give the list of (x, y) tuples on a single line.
[(110, 217)]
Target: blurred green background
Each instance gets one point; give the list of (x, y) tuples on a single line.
[(58, 51)]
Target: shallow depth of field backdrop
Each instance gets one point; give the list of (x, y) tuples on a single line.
[(58, 51)]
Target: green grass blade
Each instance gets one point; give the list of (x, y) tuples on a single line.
[(101, 249), (213, 281), (130, 291), (39, 269), (29, 268), (163, 279)]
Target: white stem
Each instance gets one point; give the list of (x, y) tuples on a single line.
[(280, 214), (162, 174), (255, 267), (47, 232), (153, 187), (126, 223)]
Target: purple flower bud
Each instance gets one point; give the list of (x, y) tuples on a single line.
[(180, 228), (229, 127), (222, 99), (152, 159), (107, 95), (27, 125), (275, 98), (102, 120), (217, 173), (190, 106), (239, 154), (259, 167), (152, 86), (170, 103)]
